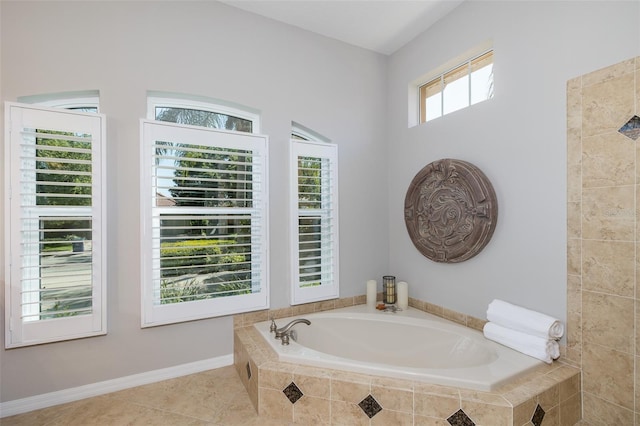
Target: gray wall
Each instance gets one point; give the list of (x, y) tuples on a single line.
[(124, 49), (356, 98), (518, 139)]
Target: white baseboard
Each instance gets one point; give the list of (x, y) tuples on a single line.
[(23, 405)]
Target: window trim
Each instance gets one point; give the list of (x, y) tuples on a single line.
[(25, 333), (66, 100), (155, 315), (312, 148), (465, 68)]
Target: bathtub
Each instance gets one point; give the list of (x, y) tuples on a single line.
[(410, 344)]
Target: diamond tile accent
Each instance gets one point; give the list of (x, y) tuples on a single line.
[(460, 418), (632, 128), (248, 371), (293, 392), (538, 415), (370, 406)]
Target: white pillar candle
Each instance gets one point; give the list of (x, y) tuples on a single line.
[(403, 295), (372, 293)]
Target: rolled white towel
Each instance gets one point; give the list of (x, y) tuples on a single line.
[(543, 349), (525, 320)]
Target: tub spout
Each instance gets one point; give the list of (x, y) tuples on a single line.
[(284, 332)]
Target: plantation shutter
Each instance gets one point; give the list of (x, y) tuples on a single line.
[(55, 225), (204, 223), (315, 209)]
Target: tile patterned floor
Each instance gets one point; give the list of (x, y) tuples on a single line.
[(211, 398)]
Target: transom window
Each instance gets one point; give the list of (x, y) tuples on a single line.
[(202, 113), (464, 85)]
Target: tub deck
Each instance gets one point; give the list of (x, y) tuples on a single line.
[(302, 394)]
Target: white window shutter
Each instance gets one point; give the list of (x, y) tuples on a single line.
[(204, 223), (314, 212), (55, 225)]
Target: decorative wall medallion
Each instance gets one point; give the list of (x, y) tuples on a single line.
[(450, 210)]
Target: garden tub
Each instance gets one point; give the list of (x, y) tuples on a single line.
[(409, 344)]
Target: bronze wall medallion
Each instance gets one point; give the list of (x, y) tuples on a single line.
[(450, 210)]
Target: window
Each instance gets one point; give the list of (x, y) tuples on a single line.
[(84, 101), (205, 112), (314, 207), (204, 214), (460, 87), (55, 210)]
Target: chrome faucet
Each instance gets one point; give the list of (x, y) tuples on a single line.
[(284, 333)]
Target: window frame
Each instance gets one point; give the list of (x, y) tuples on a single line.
[(214, 106), (154, 314), (436, 85), (67, 100), (19, 332), (329, 151)]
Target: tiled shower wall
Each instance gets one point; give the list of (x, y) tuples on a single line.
[(603, 185)]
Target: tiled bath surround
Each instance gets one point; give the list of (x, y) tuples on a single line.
[(603, 185), (308, 395)]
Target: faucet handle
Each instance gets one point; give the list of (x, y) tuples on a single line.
[(273, 326)]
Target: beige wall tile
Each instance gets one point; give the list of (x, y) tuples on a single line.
[(313, 385), (574, 104), (388, 382), (552, 417), (274, 376), (606, 321), (608, 266), (597, 411), (393, 399), (608, 159), (344, 302), (574, 219), (570, 387), (454, 316), (609, 213), (522, 413), (549, 398), (608, 374), (430, 405), (325, 305), (476, 323), (609, 73), (637, 86), (347, 414), (395, 418), (608, 105), (348, 391), (275, 405), (574, 256), (486, 414), (574, 164), (637, 329), (636, 383), (574, 312), (429, 421), (306, 308), (310, 410)]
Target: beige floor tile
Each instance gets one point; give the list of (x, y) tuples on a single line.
[(211, 398)]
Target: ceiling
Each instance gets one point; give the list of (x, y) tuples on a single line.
[(379, 25)]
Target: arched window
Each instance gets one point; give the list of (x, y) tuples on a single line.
[(203, 212), (314, 209)]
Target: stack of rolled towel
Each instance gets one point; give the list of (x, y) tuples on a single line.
[(530, 332)]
